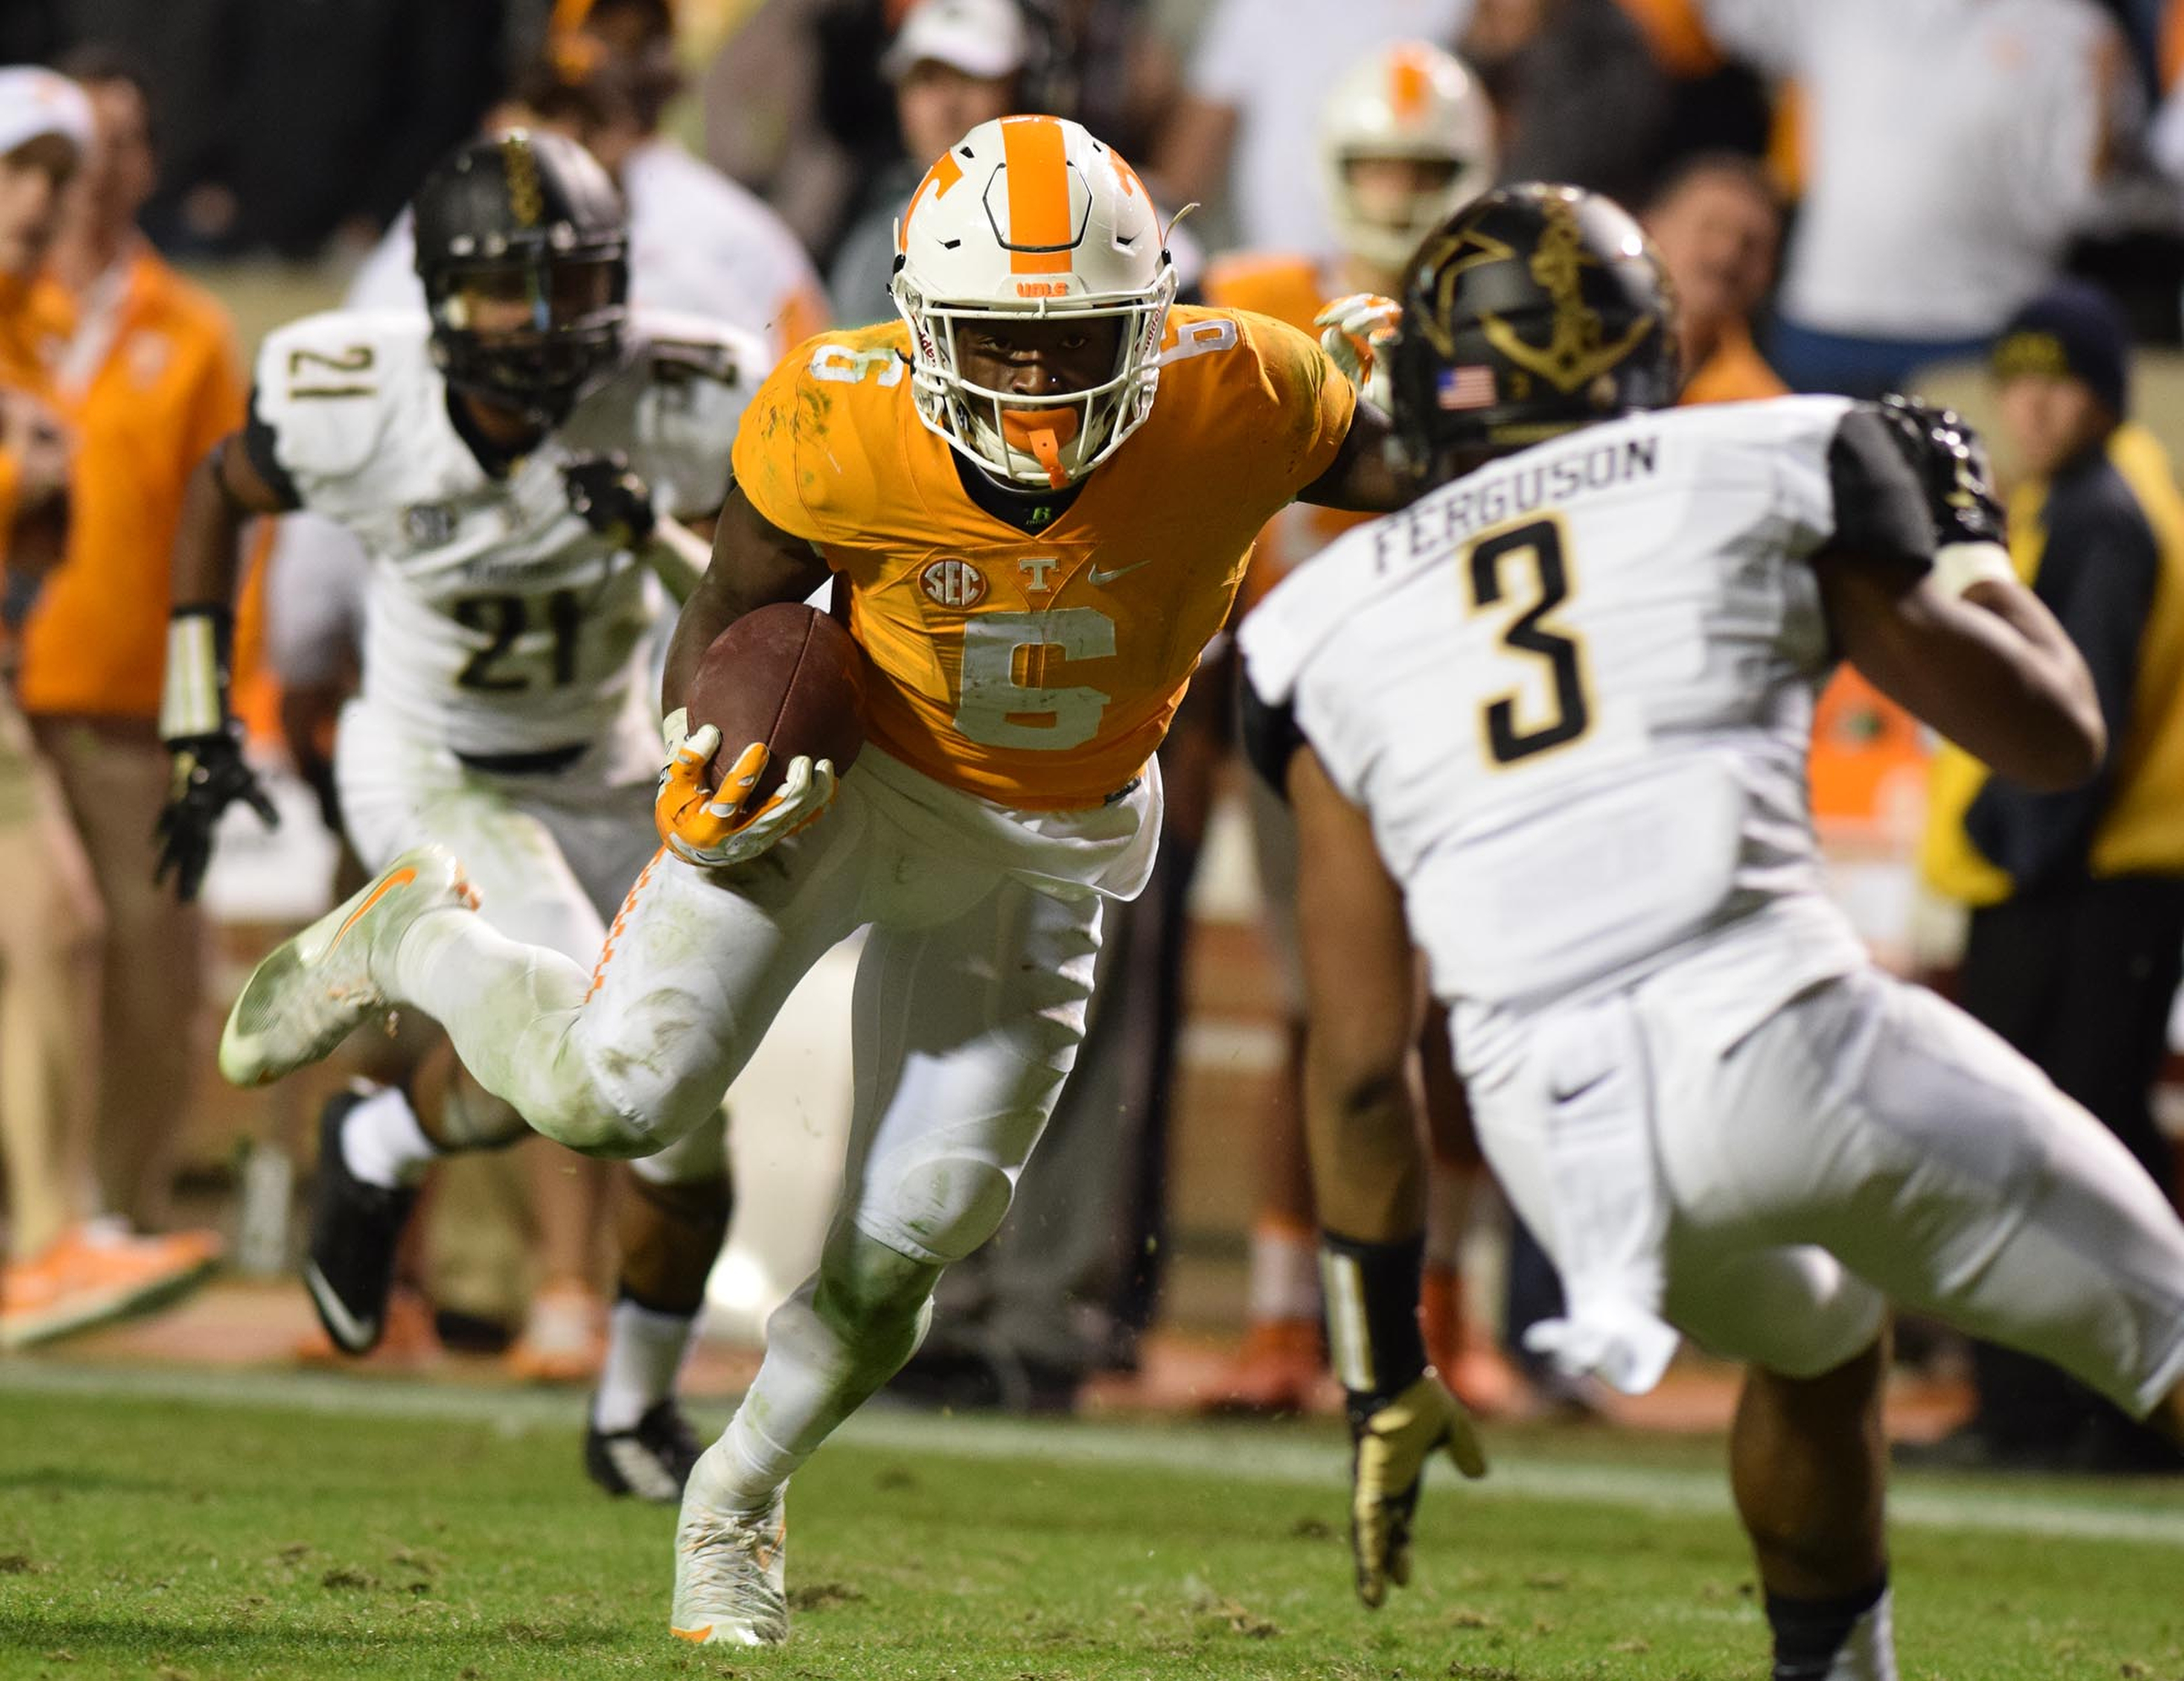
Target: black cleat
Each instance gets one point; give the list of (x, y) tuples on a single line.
[(652, 1460), (355, 1227)]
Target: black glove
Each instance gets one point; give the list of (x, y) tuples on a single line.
[(611, 499), (1392, 1441), (1950, 460), (210, 775)]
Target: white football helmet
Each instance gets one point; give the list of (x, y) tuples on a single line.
[(1032, 217), (1406, 100)]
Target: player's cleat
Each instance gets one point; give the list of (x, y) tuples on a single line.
[(652, 1460), (731, 1571), (313, 990), (355, 1229), (89, 1275)]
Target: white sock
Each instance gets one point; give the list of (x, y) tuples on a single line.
[(1285, 1275), (1869, 1655), (382, 1143), (644, 1356)]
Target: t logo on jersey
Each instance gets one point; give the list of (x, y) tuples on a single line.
[(952, 583)]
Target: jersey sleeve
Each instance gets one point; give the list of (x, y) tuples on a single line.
[(318, 404), (1878, 505), (810, 452), (1310, 405), (770, 447)]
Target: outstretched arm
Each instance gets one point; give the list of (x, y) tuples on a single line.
[(1363, 477)]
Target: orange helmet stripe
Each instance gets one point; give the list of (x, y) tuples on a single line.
[(1410, 81), (1036, 157), (939, 177)]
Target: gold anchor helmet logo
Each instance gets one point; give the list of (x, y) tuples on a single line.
[(1577, 351)]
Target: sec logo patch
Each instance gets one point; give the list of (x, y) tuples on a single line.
[(954, 583)]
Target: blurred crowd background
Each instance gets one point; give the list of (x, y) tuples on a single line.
[(1982, 199)]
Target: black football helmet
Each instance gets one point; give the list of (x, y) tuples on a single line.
[(527, 220), (1533, 311)]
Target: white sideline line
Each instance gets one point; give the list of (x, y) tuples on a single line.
[(1243, 1455)]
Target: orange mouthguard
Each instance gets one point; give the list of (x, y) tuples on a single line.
[(1042, 432)]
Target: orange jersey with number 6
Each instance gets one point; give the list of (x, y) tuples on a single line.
[(1040, 669)]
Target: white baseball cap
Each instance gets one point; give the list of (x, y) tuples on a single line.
[(979, 37), (34, 101)]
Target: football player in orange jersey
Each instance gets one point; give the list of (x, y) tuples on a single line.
[(1036, 496), (1406, 139)]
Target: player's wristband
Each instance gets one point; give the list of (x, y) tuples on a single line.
[(193, 696), (1959, 565), (1373, 1334)]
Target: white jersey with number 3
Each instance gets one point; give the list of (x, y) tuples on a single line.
[(1574, 691), (496, 620)]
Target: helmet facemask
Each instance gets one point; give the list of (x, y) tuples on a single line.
[(1036, 441), (531, 330), (1032, 220), (1382, 224)]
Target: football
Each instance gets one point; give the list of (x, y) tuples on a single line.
[(787, 675)]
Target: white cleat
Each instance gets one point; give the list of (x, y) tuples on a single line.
[(313, 990), (730, 1574)]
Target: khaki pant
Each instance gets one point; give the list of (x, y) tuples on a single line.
[(51, 929), (114, 775)]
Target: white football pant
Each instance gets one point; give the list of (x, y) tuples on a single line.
[(1869, 1143)]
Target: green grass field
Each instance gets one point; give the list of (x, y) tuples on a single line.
[(176, 1526)]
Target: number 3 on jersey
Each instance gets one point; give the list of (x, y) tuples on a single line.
[(1498, 572)]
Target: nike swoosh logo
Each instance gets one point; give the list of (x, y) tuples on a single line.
[(698, 1637), (1564, 1094), (1096, 576), (355, 1335), (400, 878)]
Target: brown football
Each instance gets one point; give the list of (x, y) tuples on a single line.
[(787, 675)]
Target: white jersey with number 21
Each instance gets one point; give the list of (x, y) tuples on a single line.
[(496, 621)]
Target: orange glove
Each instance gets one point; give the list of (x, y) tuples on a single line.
[(708, 826)]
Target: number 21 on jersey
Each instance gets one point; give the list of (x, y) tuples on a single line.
[(1523, 574)]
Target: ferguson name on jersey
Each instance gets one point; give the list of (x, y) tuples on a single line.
[(1629, 614), (497, 618)]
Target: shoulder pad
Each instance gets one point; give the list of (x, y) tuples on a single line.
[(679, 345), (676, 361), (326, 384)]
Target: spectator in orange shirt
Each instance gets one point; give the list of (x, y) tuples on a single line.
[(63, 1272), (149, 378)]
